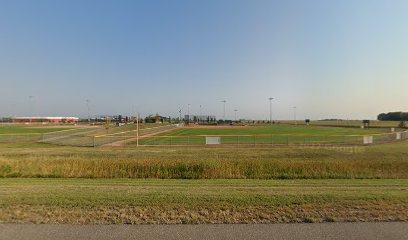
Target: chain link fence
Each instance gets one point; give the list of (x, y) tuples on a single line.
[(259, 140), (151, 136)]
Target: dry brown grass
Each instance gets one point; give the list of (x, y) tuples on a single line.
[(137, 215), (381, 161)]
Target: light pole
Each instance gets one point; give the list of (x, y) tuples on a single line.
[(270, 110), (235, 110), (31, 108), (188, 113), (89, 114), (201, 114), (224, 101), (294, 114)]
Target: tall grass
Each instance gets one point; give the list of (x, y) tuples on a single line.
[(383, 161)]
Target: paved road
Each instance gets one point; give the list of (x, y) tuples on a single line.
[(332, 231)]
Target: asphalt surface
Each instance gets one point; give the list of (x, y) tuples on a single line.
[(332, 231)]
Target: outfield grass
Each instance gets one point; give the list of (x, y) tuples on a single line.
[(201, 201), (267, 134), (274, 129), (28, 130)]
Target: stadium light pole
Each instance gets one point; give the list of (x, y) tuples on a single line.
[(30, 99), (199, 118), (224, 101), (87, 106), (270, 110), (31, 108), (188, 114)]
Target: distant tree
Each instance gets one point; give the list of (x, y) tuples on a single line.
[(393, 116), (150, 119)]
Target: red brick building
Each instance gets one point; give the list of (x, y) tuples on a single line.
[(44, 119)]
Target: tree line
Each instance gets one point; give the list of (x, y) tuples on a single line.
[(393, 116)]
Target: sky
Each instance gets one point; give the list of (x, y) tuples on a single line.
[(331, 59)]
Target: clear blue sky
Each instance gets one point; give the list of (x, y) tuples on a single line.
[(331, 59)]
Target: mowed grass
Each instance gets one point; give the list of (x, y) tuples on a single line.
[(265, 134), (365, 162), (274, 129), (201, 201), (28, 130)]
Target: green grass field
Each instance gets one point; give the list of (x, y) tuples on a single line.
[(274, 129), (28, 130), (125, 201), (275, 134), (45, 183)]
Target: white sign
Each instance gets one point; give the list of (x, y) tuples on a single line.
[(368, 139), (212, 140)]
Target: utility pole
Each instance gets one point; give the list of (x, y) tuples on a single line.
[(270, 110), (294, 114)]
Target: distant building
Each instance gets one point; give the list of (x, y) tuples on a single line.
[(44, 119)]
